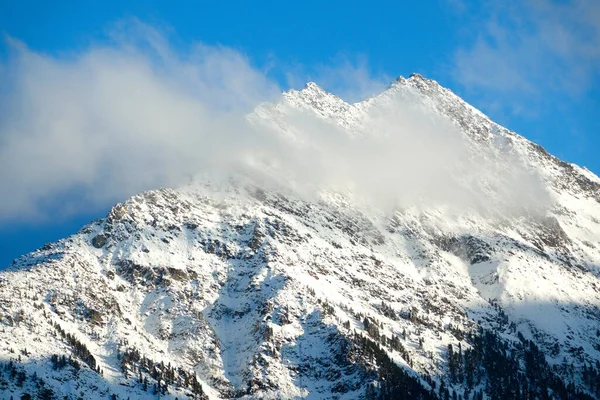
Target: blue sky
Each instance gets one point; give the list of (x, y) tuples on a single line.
[(531, 65)]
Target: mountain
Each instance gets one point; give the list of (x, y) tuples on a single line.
[(458, 260)]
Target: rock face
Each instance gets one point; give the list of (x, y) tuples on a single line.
[(233, 290)]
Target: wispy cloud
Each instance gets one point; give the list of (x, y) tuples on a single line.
[(351, 79), (522, 49), (88, 129)]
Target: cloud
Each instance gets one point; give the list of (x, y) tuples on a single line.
[(85, 130), (351, 80), (117, 119), (402, 154), (522, 48)]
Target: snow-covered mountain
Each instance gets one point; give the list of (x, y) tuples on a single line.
[(483, 284)]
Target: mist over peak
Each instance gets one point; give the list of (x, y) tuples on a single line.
[(403, 147), (94, 128)]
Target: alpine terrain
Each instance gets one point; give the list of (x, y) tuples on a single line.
[(467, 269)]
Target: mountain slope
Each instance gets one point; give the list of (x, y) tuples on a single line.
[(250, 288)]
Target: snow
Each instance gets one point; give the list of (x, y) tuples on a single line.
[(251, 292)]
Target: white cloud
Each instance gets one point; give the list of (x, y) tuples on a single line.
[(117, 119), (89, 129), (403, 155), (519, 47)]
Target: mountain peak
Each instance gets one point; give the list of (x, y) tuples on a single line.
[(313, 87), (415, 75), (310, 90), (417, 80)]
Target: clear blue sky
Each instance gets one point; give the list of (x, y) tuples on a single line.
[(533, 66)]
